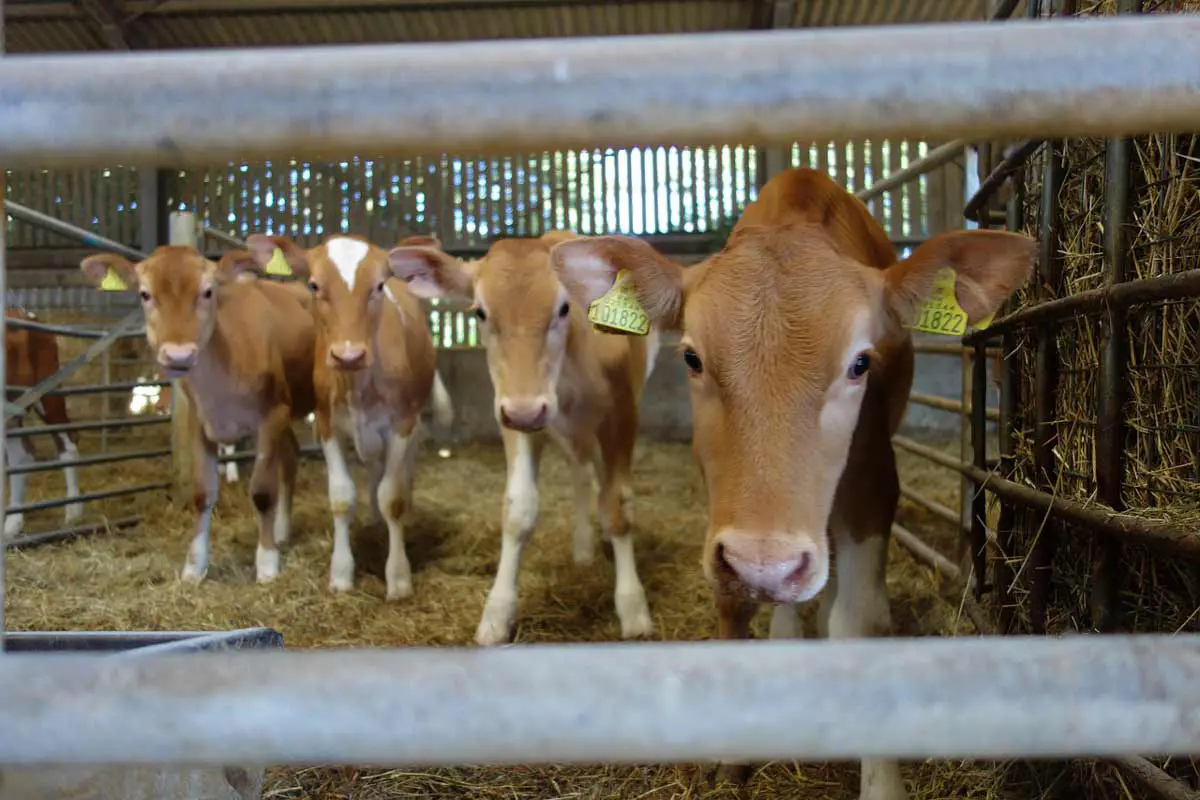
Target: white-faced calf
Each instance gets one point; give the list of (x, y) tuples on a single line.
[(374, 373), (554, 376), (800, 363), (243, 351)]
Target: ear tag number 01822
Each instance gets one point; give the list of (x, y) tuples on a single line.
[(619, 311), (112, 282), (941, 313), (278, 265)]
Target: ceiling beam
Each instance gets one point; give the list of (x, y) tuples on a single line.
[(105, 15)]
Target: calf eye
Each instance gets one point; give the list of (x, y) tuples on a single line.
[(481, 314), (208, 293), (145, 296), (312, 285), (379, 288), (861, 364), (564, 309), (693, 361)]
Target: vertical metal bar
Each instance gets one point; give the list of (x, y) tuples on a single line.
[(978, 530), (106, 402), (1114, 373), (967, 488), (1045, 379), (1010, 382), (3, 371)]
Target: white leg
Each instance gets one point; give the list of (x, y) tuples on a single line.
[(860, 609), (231, 467), (375, 473), (583, 540), (15, 455), (784, 622), (196, 565), (394, 497), (341, 503), (630, 597), (283, 515), (520, 518), (70, 453)]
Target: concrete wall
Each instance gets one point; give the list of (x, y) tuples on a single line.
[(666, 413)]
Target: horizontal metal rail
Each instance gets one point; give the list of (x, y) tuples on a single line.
[(223, 237), (69, 331), (1177, 286), (50, 430), (87, 498), (88, 461), (55, 225), (31, 540), (308, 450), (940, 511), (977, 205), (1178, 538), (924, 553), (946, 404), (937, 157), (99, 388), (1093, 77), (675, 702)]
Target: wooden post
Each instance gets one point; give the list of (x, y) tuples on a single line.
[(183, 231)]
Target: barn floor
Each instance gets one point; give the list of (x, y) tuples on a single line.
[(127, 581)]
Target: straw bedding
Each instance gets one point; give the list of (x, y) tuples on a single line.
[(127, 581)]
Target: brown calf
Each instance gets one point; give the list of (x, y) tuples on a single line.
[(162, 405), (552, 375), (31, 357), (244, 352), (800, 364), (374, 372)]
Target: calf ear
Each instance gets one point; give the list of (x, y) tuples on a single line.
[(96, 269), (588, 267), (988, 267), (419, 240), (237, 263), (262, 248), (432, 272)]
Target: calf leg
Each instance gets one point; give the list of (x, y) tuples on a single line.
[(733, 623), (68, 453), (583, 536), (16, 453), (629, 596), (231, 467), (341, 504), (523, 453), (375, 470), (264, 488), (289, 460), (394, 501), (208, 487)]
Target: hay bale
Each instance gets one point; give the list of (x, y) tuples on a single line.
[(1161, 477)]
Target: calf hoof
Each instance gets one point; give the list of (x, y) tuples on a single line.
[(192, 574), (495, 628), (267, 565), (401, 590), (634, 615)]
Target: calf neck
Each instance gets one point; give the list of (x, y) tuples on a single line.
[(553, 376), (243, 352), (373, 371), (800, 362)]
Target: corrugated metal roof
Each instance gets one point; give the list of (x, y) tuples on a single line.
[(49, 25)]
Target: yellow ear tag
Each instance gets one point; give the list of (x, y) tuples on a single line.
[(619, 311), (278, 265), (112, 282), (941, 313)]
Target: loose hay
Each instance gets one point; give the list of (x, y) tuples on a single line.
[(128, 581)]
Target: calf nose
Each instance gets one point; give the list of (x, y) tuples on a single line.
[(348, 356), (177, 356), (524, 415), (777, 570)]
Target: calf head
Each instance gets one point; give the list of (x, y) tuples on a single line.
[(179, 289), (525, 317), (347, 276), (782, 333)]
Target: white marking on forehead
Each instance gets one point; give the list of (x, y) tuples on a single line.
[(346, 255)]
